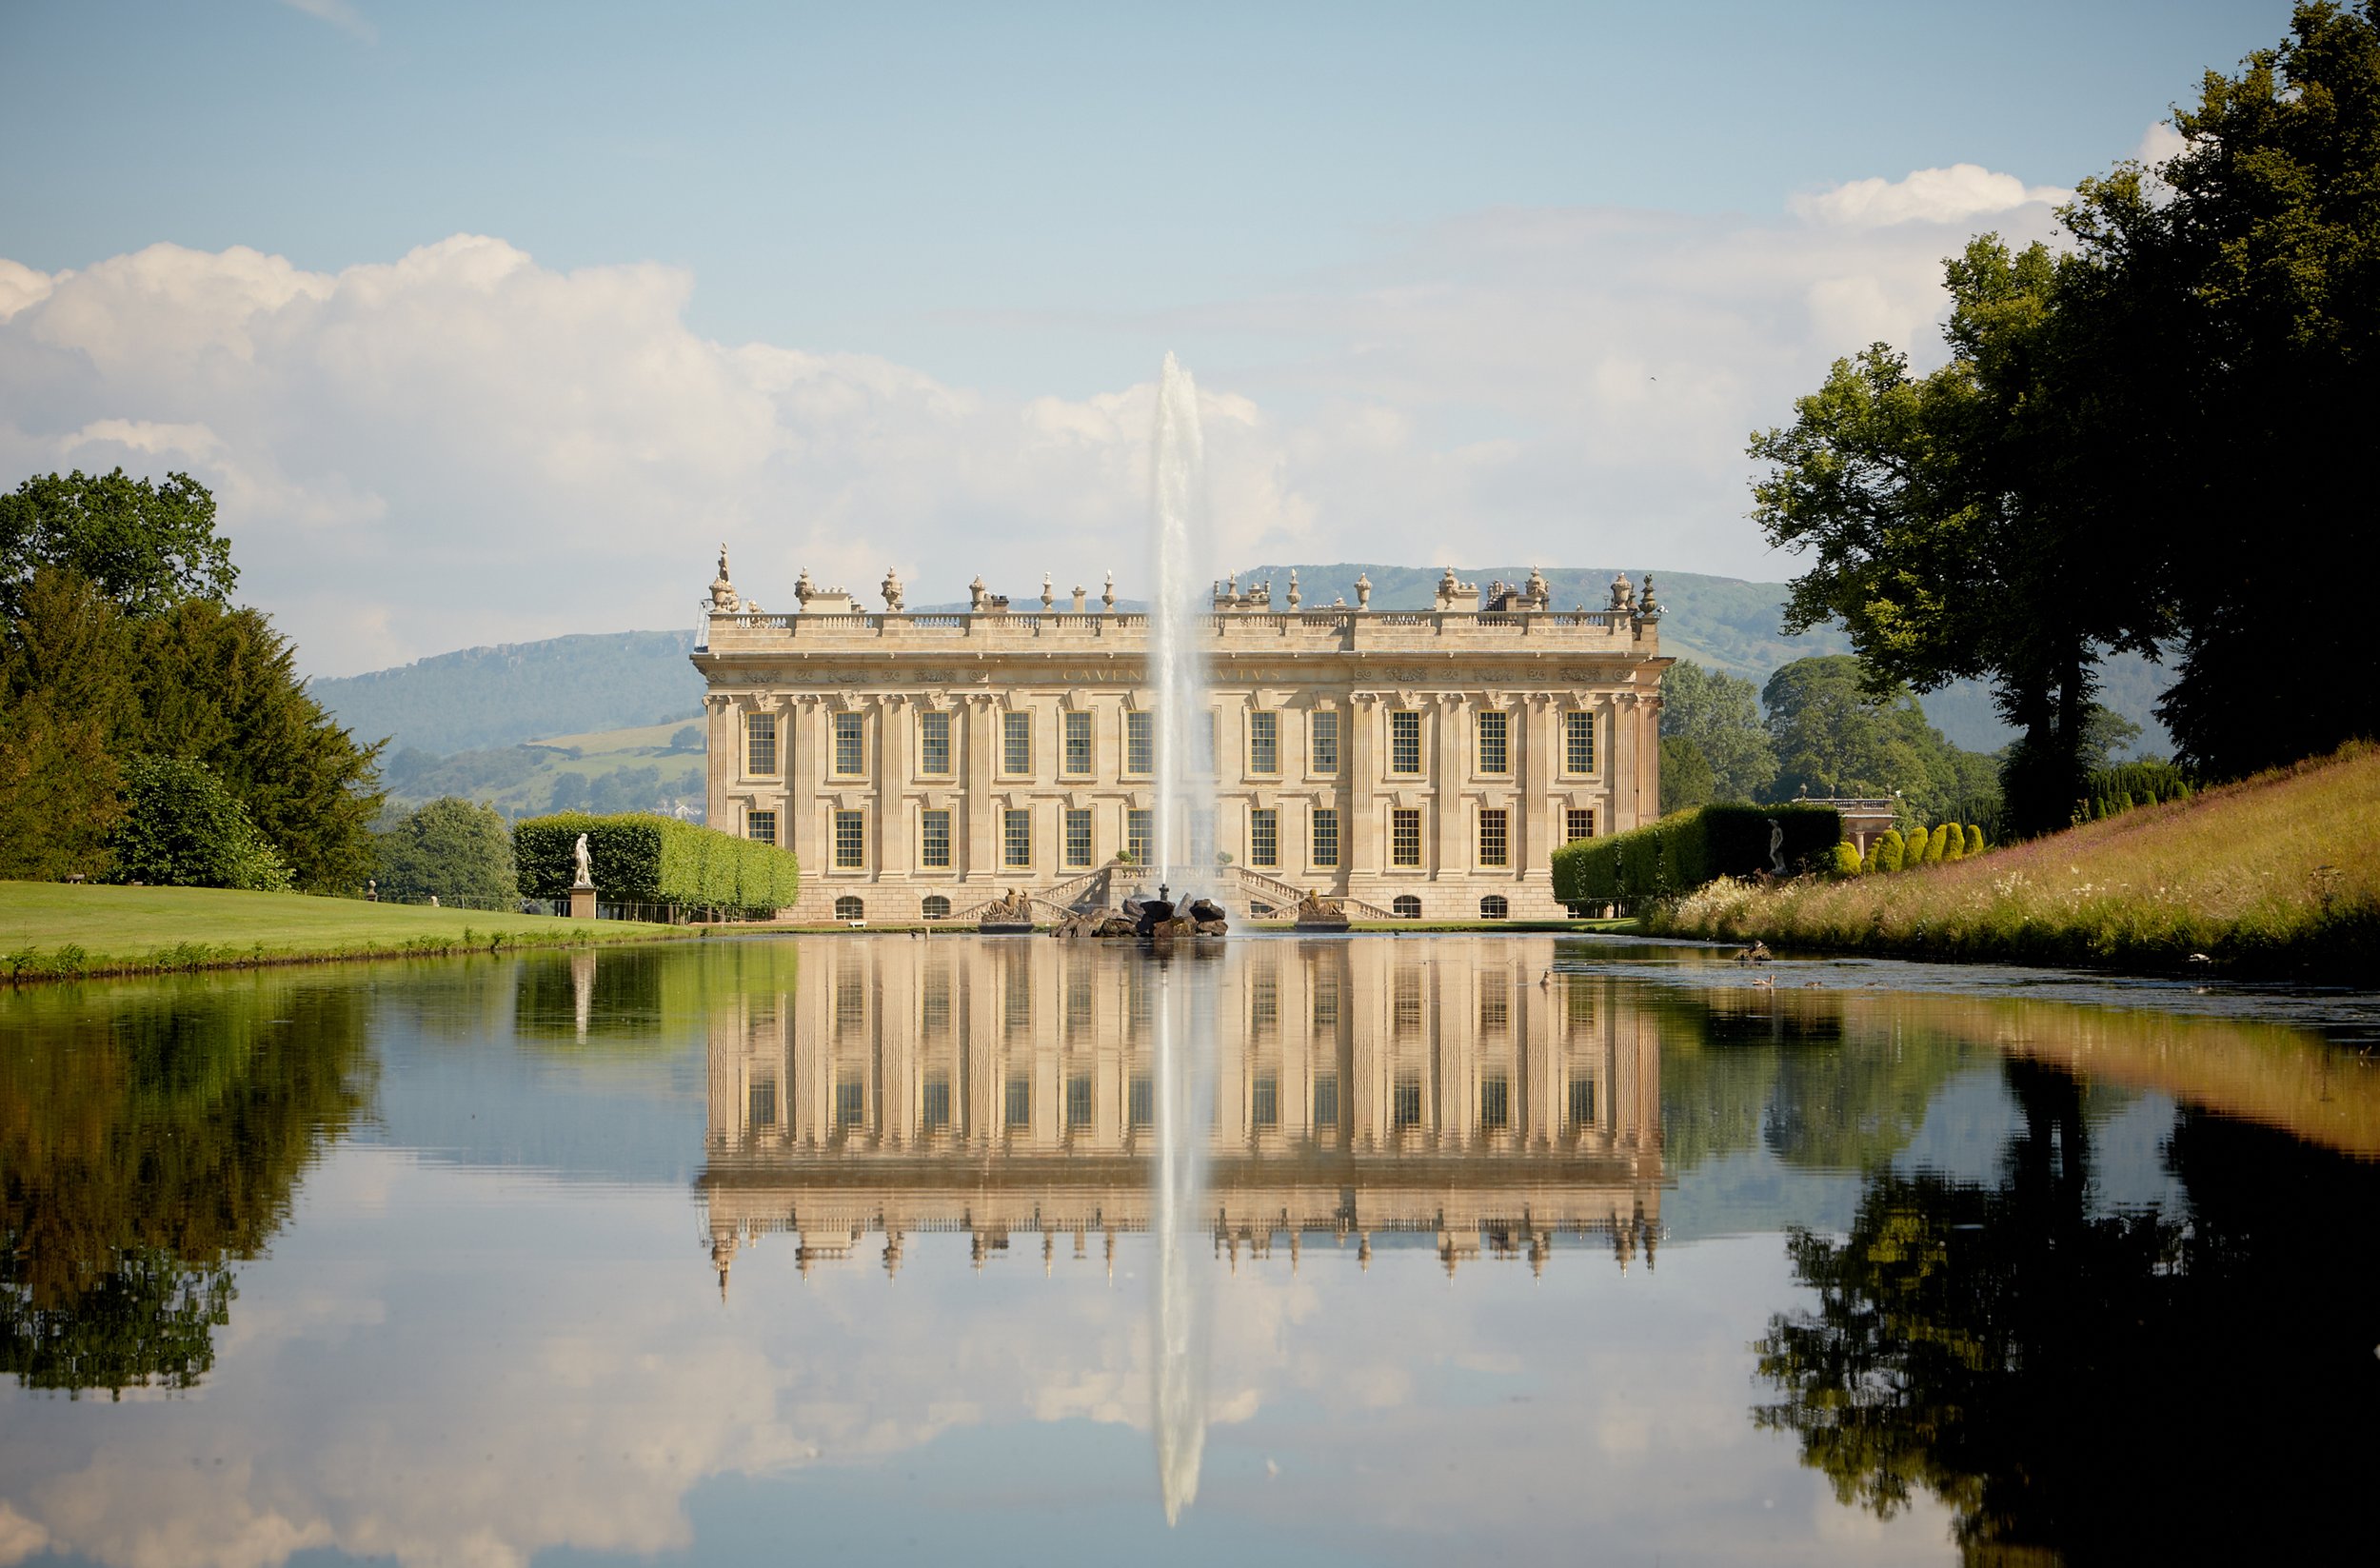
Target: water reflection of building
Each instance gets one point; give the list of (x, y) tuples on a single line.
[(1005, 1088)]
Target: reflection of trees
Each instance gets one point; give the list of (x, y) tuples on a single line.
[(146, 1148), (644, 999), (2096, 1387)]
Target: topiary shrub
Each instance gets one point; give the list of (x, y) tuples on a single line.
[(1892, 851), (1954, 842), (1847, 863), (1974, 841), (182, 828)]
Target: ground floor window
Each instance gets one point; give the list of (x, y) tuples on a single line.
[(1016, 837), (847, 908), (1138, 828), (935, 908), (1494, 908), (934, 840), (1264, 838), (1579, 822), (761, 827), (850, 840), (1404, 837), (1079, 835), (1495, 837), (1407, 906), (1325, 836)]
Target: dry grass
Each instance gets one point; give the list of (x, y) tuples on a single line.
[(2277, 873)]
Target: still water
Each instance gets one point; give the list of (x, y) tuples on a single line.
[(1420, 1249)]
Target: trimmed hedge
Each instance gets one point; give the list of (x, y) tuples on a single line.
[(1688, 849), (643, 859)]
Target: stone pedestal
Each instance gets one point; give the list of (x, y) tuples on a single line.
[(583, 902)]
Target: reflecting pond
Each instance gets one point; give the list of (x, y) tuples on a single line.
[(1010, 1250)]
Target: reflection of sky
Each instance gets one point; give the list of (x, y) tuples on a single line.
[(456, 1364)]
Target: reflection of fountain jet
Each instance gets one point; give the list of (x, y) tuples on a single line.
[(1178, 1177)]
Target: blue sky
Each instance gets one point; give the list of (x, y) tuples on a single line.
[(1345, 218)]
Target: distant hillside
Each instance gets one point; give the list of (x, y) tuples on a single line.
[(484, 698), (503, 695), (1721, 623)]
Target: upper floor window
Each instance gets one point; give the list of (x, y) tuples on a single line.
[(1077, 745), (1494, 743), (1577, 743), (1404, 742), (934, 745), (1264, 744), (1140, 743), (850, 756), (1015, 743), (1322, 741), (759, 743)]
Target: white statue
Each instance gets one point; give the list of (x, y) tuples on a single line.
[(585, 861)]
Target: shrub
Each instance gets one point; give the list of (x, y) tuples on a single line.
[(182, 828), (1974, 841), (1685, 850), (1867, 861), (1937, 841), (453, 849), (1954, 842), (1847, 861), (1892, 851), (655, 860)]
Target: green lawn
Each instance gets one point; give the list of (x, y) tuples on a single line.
[(57, 928)]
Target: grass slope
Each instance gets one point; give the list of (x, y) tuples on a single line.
[(50, 930), (478, 697), (2278, 873), (631, 769)]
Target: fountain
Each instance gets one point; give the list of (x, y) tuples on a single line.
[(1183, 787)]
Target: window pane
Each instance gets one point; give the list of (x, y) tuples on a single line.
[(1404, 837), (1578, 824), (1405, 742), (849, 761), (759, 743), (760, 826), (1496, 1104), (1015, 751), (1264, 1103), (1016, 840), (1264, 838), (934, 840), (1323, 737), (1327, 1100), (1078, 743), (1495, 755), (1138, 826), (934, 745), (1264, 744), (1578, 743), (1078, 837), (1494, 849), (850, 840), (1325, 835), (1019, 1108), (1140, 743)]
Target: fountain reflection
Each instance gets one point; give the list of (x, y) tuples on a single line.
[(1010, 1088)]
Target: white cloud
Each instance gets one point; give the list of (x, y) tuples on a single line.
[(464, 446), (1927, 195), (2158, 143)]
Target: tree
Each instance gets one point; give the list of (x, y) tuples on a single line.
[(1686, 779), (458, 851), (1721, 714), (222, 687), (145, 546), (182, 828), (1835, 736), (65, 698)]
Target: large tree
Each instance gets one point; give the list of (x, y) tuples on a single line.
[(1718, 715), (143, 545), (1836, 735), (458, 851)]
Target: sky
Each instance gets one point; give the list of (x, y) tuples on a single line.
[(492, 322)]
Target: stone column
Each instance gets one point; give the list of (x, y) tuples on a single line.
[(1536, 834), (896, 724), (804, 827), (723, 759), (1449, 858), (1619, 772), (978, 846), (1362, 830)]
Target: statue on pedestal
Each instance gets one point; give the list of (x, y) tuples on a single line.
[(584, 862)]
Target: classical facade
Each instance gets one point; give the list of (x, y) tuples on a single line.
[(1364, 1095), (1418, 764)]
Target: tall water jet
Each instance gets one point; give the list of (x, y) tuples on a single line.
[(1183, 801)]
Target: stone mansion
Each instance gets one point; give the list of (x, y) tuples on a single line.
[(1418, 764)]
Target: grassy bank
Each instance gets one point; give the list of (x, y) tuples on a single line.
[(56, 930), (2278, 874)]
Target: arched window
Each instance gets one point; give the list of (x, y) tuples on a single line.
[(1407, 906), (848, 908), (935, 908), (1494, 908)]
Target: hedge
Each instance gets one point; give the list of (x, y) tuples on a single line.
[(643, 859), (1687, 848)]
